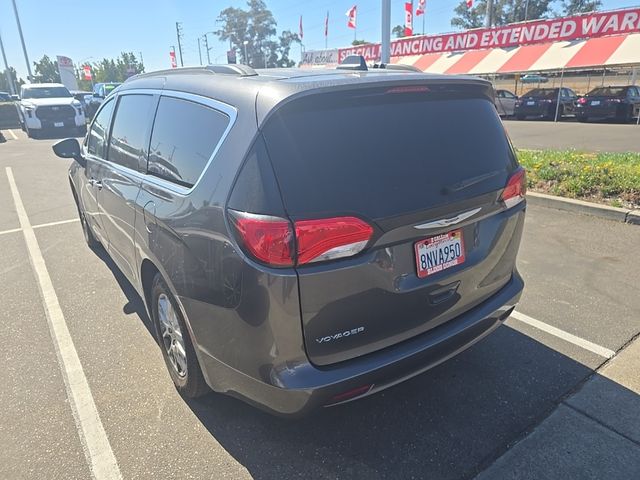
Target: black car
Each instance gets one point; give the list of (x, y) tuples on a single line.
[(543, 103), (295, 244), (5, 97), (619, 103)]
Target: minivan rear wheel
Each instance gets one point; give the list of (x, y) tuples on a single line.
[(176, 345)]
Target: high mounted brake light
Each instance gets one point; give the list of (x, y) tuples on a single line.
[(408, 89), (277, 242), (516, 188)]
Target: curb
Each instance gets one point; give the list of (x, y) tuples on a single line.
[(623, 215)]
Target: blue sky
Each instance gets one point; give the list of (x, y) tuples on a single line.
[(83, 29)]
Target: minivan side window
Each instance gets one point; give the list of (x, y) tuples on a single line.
[(96, 140), (129, 139), (185, 135)]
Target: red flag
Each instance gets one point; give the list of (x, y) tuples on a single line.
[(172, 56), (86, 70), (326, 25), (421, 7), (301, 31), (469, 3), (408, 19), (351, 13)]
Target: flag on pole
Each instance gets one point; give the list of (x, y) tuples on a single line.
[(351, 14), (172, 56), (86, 70), (408, 19), (326, 25), (421, 7), (469, 3), (301, 31)]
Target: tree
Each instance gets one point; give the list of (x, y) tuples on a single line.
[(257, 27), (504, 11), (398, 31), (118, 70), (571, 7), (46, 71), (359, 42), (4, 85)]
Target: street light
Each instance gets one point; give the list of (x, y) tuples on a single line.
[(245, 43)]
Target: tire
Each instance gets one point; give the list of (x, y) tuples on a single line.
[(627, 115), (184, 369), (520, 117), (583, 119), (92, 242)]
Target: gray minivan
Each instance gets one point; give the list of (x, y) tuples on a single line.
[(305, 238)]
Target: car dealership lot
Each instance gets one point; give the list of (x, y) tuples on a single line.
[(452, 422)]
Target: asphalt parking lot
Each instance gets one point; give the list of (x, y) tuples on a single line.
[(452, 422)]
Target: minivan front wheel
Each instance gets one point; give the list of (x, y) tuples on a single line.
[(89, 237), (175, 342)]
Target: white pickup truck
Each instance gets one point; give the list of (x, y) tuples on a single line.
[(47, 107)]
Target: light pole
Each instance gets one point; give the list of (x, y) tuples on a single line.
[(246, 58), (206, 45), (7, 72), (24, 48), (385, 50)]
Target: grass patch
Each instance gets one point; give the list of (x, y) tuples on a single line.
[(611, 178)]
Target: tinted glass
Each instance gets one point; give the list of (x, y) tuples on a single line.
[(129, 138), (184, 137), (385, 155), (608, 92), (96, 139), (542, 93), (46, 92)]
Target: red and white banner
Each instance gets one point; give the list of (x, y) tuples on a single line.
[(86, 70), (408, 19), (421, 7), (172, 56), (590, 25), (469, 3), (351, 15), (301, 31), (326, 25)]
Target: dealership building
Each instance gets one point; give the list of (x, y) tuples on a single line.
[(583, 51)]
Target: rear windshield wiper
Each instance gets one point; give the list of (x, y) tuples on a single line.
[(456, 187)]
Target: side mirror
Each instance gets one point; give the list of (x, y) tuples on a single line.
[(68, 148)]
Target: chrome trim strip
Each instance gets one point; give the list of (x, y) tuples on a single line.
[(228, 110), (445, 222)]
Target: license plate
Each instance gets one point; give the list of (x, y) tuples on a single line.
[(438, 253), (595, 102), (58, 124), (531, 103)]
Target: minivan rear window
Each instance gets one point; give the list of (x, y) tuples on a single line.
[(387, 154)]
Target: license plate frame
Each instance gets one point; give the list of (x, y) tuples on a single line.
[(58, 124), (433, 249)]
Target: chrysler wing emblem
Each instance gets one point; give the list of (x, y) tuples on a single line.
[(445, 222)]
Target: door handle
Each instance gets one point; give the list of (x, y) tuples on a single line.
[(95, 183)]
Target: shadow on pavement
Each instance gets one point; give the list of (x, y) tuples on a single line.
[(448, 423)]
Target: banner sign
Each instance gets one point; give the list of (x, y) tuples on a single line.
[(87, 72), (590, 25), (320, 57), (67, 73)]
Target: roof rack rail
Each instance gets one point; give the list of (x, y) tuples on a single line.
[(220, 69), (353, 62), (397, 66)]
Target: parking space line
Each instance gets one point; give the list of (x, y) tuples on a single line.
[(97, 449), (15, 137), (566, 336), (13, 230), (51, 224)]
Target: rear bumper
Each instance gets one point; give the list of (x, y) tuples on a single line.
[(602, 112), (296, 389)]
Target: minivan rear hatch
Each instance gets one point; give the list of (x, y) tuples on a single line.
[(424, 165)]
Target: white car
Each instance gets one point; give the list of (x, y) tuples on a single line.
[(505, 103), (46, 107)]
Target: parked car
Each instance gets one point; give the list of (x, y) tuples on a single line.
[(100, 92), (83, 97), (534, 78), (50, 106), (5, 97), (621, 103), (505, 103), (291, 244), (543, 102)]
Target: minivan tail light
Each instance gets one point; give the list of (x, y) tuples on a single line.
[(516, 188), (269, 239), (330, 238)]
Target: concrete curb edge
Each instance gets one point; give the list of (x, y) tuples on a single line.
[(623, 215)]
